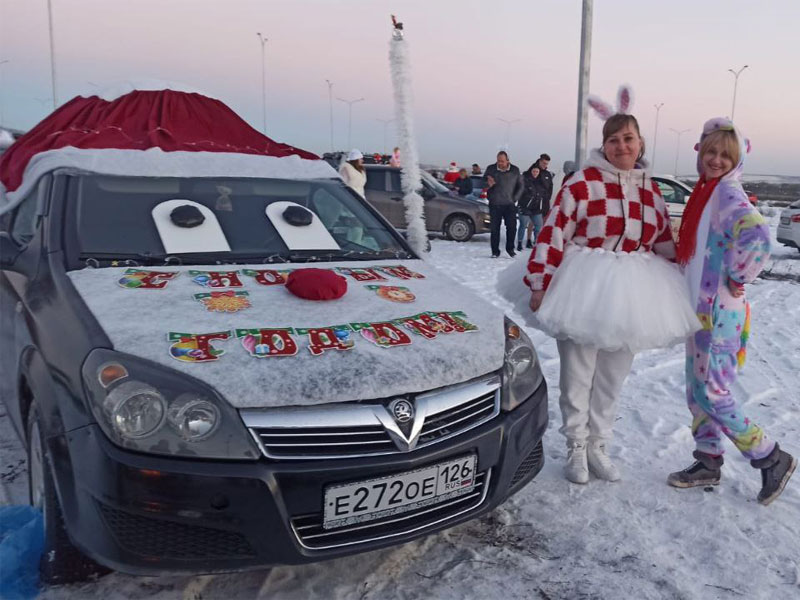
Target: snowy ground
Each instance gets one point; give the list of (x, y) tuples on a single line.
[(636, 538)]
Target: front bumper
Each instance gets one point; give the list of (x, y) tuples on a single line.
[(150, 515), (482, 223)]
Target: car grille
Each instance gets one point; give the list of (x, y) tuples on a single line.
[(310, 533), (531, 462), (157, 537), (349, 430)]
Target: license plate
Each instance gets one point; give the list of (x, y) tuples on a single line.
[(376, 498)]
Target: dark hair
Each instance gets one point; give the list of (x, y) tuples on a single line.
[(503, 153), (535, 165), (476, 165), (355, 165), (544, 156), (619, 121)]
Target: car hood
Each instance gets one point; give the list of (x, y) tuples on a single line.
[(139, 320)]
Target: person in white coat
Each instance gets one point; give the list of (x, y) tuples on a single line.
[(352, 171)]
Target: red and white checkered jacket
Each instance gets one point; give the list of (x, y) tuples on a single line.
[(601, 208)]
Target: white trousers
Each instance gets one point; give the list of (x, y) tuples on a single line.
[(591, 380)]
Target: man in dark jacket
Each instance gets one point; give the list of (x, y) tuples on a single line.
[(546, 179), (505, 188)]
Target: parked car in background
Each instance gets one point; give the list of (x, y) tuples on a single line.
[(789, 226), (675, 194), (457, 217)]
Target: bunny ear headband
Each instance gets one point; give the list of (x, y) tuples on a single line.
[(604, 110)]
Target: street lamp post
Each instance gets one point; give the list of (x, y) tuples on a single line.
[(385, 124), (655, 133), (582, 130), (263, 41), (508, 123), (350, 119), (2, 62), (330, 107), (735, 83), (678, 145), (52, 53)]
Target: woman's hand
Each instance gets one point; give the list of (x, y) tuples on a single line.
[(735, 288), (536, 300)]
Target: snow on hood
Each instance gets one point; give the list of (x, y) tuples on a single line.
[(138, 321), (725, 124)]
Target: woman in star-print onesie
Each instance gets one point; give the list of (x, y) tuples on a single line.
[(723, 244)]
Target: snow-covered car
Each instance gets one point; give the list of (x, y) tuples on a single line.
[(789, 226), (219, 357)]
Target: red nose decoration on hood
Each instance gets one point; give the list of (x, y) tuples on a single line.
[(316, 284)]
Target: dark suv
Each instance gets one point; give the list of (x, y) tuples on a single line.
[(457, 217)]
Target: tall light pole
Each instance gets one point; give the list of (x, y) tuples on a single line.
[(678, 146), (263, 41), (2, 62), (350, 119), (52, 53), (330, 107), (582, 130), (385, 124), (508, 123), (655, 133), (735, 83)]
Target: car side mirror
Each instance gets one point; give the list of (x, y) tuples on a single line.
[(9, 251)]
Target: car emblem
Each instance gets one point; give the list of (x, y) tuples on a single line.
[(402, 410)]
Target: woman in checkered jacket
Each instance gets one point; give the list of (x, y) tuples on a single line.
[(603, 284)]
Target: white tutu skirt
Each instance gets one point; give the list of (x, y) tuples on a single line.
[(609, 300)]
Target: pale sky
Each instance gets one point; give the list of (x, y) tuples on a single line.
[(473, 61)]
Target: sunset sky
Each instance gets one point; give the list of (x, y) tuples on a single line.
[(473, 61)]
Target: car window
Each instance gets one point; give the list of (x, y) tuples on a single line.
[(376, 179), (435, 185), (113, 214), (671, 193), (394, 182)]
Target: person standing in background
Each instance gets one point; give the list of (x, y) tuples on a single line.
[(547, 180), (352, 172), (505, 188), (452, 174), (463, 185), (394, 161), (530, 205), (476, 169)]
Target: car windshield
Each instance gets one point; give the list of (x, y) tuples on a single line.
[(431, 181), (112, 219)]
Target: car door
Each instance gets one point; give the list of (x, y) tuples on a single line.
[(22, 226), (377, 193)]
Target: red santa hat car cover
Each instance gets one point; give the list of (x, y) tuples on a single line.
[(176, 130)]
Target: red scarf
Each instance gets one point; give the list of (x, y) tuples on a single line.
[(687, 234)]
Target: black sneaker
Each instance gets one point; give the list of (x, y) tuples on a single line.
[(776, 469), (706, 470), (511, 253), (529, 244), (519, 246)]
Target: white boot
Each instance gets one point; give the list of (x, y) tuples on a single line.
[(600, 464), (576, 469)]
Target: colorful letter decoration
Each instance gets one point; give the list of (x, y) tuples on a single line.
[(195, 347), (385, 334), (336, 337), (362, 274), (268, 276), (225, 302), (216, 279), (263, 343), (146, 280), (393, 293), (401, 272)]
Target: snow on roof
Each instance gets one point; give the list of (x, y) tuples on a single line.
[(164, 133)]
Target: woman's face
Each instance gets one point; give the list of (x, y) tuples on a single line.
[(623, 147), (534, 172), (716, 161), (360, 162)]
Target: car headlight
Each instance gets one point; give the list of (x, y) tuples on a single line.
[(522, 374), (149, 408)]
